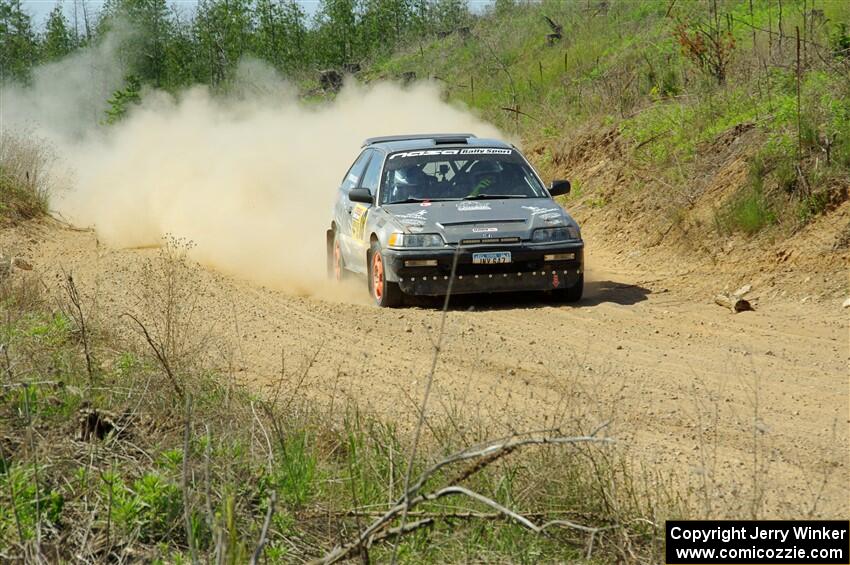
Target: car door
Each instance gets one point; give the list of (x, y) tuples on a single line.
[(360, 212), (344, 207)]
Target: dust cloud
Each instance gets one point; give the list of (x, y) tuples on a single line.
[(249, 178)]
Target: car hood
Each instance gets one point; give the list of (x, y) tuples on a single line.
[(479, 219)]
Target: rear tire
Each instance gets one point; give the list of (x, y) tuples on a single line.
[(385, 293), (570, 294), (335, 262)]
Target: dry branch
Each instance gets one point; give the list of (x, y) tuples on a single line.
[(261, 544), (379, 528), (159, 352), (734, 303), (80, 319)]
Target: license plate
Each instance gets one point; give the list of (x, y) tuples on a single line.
[(491, 258)]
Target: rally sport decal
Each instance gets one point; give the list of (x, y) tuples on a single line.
[(358, 221)]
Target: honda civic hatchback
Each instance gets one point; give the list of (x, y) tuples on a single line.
[(452, 213)]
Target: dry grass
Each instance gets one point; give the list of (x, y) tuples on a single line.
[(25, 180)]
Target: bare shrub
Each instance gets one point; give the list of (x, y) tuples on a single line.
[(25, 180), (167, 314)]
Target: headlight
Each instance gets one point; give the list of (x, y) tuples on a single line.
[(546, 235), (416, 240)]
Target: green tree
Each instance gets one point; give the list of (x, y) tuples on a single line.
[(18, 45), (122, 99), (335, 32), (280, 34), (449, 15), (385, 23), (144, 49), (183, 60), (57, 40), (223, 33)]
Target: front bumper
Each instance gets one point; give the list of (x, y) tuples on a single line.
[(527, 271)]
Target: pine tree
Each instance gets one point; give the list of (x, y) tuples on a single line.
[(222, 30), (280, 34), (384, 24), (18, 45), (121, 99), (57, 36), (450, 15), (335, 37), (143, 50)]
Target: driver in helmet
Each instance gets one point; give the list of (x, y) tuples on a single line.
[(409, 182), (484, 176)]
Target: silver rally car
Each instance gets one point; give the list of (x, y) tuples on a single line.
[(413, 207)]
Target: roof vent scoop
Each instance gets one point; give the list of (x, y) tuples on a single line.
[(450, 140), (439, 138)]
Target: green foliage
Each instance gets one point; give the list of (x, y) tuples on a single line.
[(222, 31), (152, 507), (57, 40), (24, 500), (281, 34), (144, 49), (122, 99), (813, 205), (748, 210), (840, 40), (336, 40), (18, 43), (295, 472)]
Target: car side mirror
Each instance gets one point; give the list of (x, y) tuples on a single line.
[(363, 195), (559, 187)]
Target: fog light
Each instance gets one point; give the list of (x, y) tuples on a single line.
[(421, 263), (559, 257)]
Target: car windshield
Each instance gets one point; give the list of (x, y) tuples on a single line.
[(457, 174)]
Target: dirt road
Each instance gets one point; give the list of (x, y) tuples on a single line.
[(728, 401)]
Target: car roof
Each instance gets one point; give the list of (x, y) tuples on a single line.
[(411, 142)]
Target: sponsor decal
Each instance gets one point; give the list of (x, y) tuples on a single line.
[(413, 220), (538, 211), (425, 153), (484, 230), (433, 152), (358, 221), (552, 218), (419, 215), (469, 206), (485, 151)]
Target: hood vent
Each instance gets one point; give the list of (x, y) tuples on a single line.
[(489, 241)]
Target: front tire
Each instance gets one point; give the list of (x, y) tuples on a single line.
[(385, 293), (572, 293)]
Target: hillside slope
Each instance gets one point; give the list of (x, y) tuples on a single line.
[(735, 155)]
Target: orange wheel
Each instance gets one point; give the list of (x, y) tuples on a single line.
[(386, 293), (337, 261), (378, 276)]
